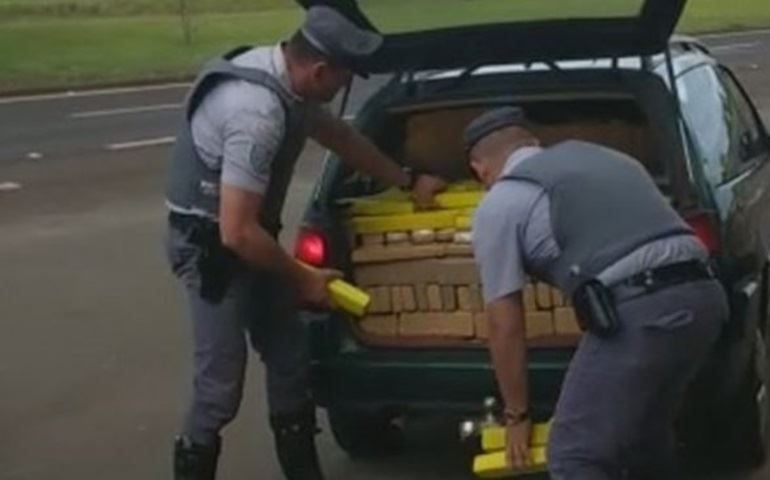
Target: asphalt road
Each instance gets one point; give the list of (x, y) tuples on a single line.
[(94, 352)]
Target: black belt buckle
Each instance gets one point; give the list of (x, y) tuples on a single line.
[(596, 309)]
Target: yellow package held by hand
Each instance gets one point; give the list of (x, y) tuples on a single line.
[(349, 298), (493, 438), (495, 465), (346, 297)]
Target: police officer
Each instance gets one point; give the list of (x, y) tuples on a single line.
[(247, 118), (591, 221)]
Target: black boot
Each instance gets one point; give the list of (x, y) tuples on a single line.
[(194, 462), (295, 444)]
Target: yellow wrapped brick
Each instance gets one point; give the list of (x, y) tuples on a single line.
[(495, 465), (493, 438), (389, 202), (459, 199), (349, 298), (463, 222)]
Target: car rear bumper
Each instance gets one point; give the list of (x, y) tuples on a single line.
[(448, 381)]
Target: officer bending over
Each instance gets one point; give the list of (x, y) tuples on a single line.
[(591, 221)]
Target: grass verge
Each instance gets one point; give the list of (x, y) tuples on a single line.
[(42, 51)]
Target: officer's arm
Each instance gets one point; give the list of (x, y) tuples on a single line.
[(356, 150), (507, 344), (241, 233)]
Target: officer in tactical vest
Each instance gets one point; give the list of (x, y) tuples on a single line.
[(247, 118), (591, 221)]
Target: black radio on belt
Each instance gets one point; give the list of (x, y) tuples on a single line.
[(595, 308)]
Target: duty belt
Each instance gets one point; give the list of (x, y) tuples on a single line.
[(654, 279)]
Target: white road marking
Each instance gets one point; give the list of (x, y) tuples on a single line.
[(761, 31), (9, 186), (150, 142), (733, 46), (127, 110), (349, 117), (34, 155), (90, 93)]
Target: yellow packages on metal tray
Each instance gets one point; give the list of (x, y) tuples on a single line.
[(495, 465), (349, 298)]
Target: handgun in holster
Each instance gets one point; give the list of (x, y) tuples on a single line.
[(596, 309), (216, 264)]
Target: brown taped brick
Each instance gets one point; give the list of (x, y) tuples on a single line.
[(422, 237), (396, 238), (565, 322), (436, 324), (543, 295), (477, 300), (448, 300), (395, 299), (539, 324), (393, 253), (557, 297), (445, 235), (463, 237), (392, 273), (456, 271), (369, 239), (445, 271), (380, 300), (481, 325), (408, 300), (421, 295), (464, 299), (530, 305), (435, 303), (384, 325)]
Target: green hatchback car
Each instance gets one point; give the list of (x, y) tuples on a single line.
[(615, 76)]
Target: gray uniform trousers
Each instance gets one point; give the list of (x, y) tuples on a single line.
[(256, 304), (621, 395)]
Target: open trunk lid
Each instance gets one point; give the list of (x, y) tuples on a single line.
[(426, 34)]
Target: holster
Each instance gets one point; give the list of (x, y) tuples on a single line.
[(596, 309), (216, 264)]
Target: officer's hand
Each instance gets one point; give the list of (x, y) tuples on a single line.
[(517, 440), (313, 290), (425, 189)]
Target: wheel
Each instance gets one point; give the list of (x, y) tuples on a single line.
[(749, 439), (733, 435), (365, 434)]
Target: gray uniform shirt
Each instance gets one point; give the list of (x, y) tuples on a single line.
[(512, 236), (242, 125)]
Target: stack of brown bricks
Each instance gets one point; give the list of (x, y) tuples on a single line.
[(438, 294)]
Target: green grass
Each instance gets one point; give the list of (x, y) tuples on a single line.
[(64, 8), (46, 51)]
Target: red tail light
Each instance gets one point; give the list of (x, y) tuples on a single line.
[(310, 247), (706, 230)]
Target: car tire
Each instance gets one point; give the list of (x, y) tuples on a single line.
[(365, 434), (750, 435), (733, 435)]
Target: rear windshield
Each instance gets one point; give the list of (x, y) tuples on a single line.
[(402, 16)]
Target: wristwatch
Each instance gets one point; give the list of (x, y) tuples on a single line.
[(515, 417)]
